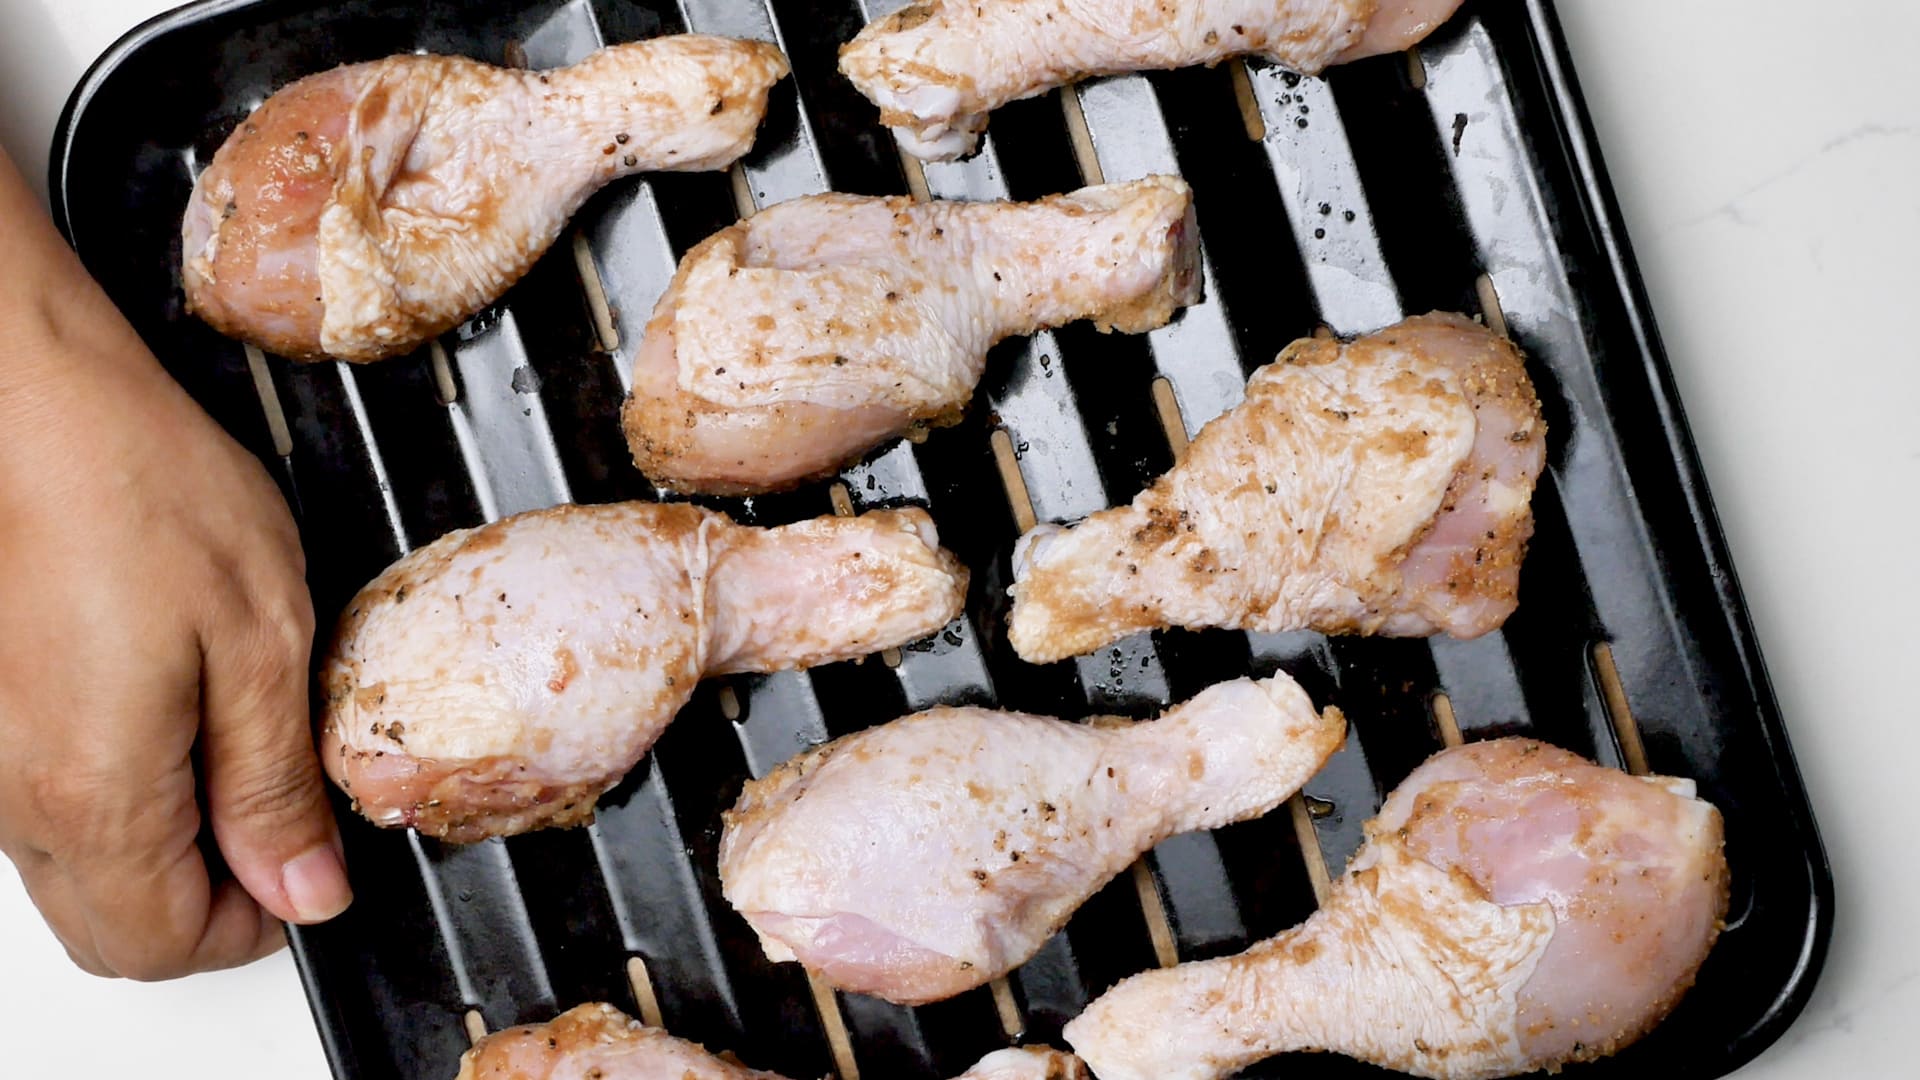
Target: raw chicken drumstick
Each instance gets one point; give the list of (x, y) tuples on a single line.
[(936, 69), (1514, 908), (1381, 486), (927, 856), (501, 678), (601, 1042), (1027, 1063), (367, 209), (792, 342), (595, 1040)]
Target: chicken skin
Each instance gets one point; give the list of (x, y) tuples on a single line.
[(1514, 908), (1027, 1063), (362, 211), (794, 341), (595, 1041), (1378, 486), (936, 69), (598, 1042), (922, 858), (501, 678)]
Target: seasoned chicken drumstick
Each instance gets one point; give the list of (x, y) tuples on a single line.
[(937, 68), (1381, 486), (1514, 908), (595, 1040), (922, 858), (600, 1042), (500, 679), (359, 212), (1027, 1063), (792, 342)]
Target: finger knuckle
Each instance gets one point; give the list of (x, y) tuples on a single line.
[(149, 960), (86, 961), (282, 632), (59, 800), (286, 537), (271, 791), (291, 609)]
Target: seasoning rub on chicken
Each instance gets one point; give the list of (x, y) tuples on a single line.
[(1514, 908), (362, 211), (1378, 486), (926, 856), (794, 341), (937, 68), (599, 1042), (500, 679)]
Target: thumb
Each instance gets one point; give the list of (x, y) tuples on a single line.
[(265, 794)]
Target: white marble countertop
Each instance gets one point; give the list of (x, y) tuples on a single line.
[(1767, 157)]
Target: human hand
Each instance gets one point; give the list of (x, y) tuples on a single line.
[(155, 632)]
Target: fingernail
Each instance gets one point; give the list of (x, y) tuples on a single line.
[(316, 884)]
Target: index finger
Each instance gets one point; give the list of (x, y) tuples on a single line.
[(163, 920), (123, 832)]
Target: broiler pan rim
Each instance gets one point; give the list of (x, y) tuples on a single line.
[(101, 158)]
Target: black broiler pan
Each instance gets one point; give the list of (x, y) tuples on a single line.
[(1462, 177)]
